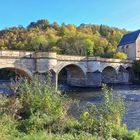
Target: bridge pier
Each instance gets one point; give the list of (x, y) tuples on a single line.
[(93, 79), (54, 80), (123, 76)]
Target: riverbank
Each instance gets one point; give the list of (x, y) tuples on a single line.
[(39, 112)]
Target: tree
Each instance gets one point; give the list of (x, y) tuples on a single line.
[(39, 42), (89, 44), (56, 26), (42, 24), (86, 39)]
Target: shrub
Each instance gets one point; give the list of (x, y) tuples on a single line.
[(42, 107), (36, 107), (38, 112), (120, 55), (8, 129), (104, 118), (133, 135)]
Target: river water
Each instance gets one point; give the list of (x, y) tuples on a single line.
[(130, 94)]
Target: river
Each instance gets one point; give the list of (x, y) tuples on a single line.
[(130, 94)]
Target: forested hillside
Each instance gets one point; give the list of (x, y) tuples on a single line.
[(86, 39)]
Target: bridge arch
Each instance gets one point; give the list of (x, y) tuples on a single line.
[(19, 72), (109, 75), (72, 74)]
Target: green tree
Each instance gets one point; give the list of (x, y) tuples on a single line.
[(42, 24), (67, 39), (39, 42), (89, 44)]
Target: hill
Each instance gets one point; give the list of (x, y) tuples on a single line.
[(86, 39)]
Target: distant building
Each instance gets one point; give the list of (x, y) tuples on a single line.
[(130, 44)]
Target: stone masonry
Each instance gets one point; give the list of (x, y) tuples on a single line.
[(82, 71)]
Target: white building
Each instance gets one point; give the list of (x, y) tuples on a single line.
[(130, 44)]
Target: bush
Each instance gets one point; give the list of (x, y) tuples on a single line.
[(8, 129), (37, 107), (43, 107), (120, 55), (104, 118), (133, 135), (38, 112)]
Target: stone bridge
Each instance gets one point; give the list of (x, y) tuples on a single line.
[(81, 70)]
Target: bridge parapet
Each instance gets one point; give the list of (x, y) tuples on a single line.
[(109, 60), (27, 54), (84, 58), (71, 58), (54, 55), (16, 54)]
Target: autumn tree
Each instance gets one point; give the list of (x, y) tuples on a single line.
[(86, 39)]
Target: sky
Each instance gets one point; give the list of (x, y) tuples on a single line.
[(114, 13)]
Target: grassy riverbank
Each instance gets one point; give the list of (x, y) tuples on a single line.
[(38, 112)]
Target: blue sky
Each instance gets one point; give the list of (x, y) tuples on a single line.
[(116, 13)]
